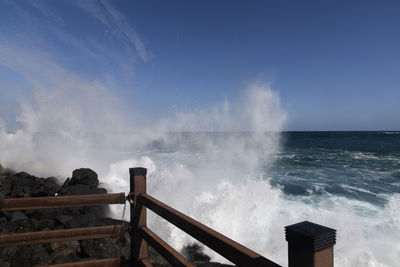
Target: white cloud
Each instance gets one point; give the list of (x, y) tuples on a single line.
[(117, 25)]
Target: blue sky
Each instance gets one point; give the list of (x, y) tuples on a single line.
[(334, 64)]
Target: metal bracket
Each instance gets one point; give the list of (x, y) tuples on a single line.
[(131, 198)]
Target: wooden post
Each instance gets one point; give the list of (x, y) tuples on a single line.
[(138, 214), (310, 245)]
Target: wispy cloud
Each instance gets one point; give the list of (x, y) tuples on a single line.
[(117, 25), (46, 11), (36, 43), (41, 27)]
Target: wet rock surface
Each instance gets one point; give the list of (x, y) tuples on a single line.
[(83, 181)]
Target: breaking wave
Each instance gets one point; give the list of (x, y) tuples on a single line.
[(212, 164)]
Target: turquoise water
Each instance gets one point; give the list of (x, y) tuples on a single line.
[(356, 165)]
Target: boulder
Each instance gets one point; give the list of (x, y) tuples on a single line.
[(43, 223), (18, 216), (39, 255), (194, 253), (51, 185), (100, 248), (63, 252), (7, 253), (84, 176), (76, 189), (9, 227), (63, 219), (32, 255), (83, 182), (84, 220), (26, 185)]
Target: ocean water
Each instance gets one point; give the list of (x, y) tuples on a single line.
[(363, 166)]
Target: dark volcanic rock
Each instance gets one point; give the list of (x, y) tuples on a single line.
[(84, 176), (194, 253), (83, 181), (63, 252), (9, 227), (84, 220), (52, 186), (23, 184), (18, 216), (2, 196), (64, 219), (32, 255), (98, 248)]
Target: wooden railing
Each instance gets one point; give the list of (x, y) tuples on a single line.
[(309, 244)]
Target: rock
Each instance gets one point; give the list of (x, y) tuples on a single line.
[(52, 186), (4, 263), (77, 189), (26, 185), (31, 255), (39, 255), (1, 170), (99, 191), (100, 248), (43, 223), (18, 216), (48, 213), (194, 253), (64, 218), (83, 181), (124, 244), (84, 220), (7, 253), (2, 196), (63, 256), (21, 181), (84, 176), (63, 252), (5, 185), (3, 220), (156, 259), (9, 227)]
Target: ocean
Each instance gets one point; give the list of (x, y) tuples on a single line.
[(247, 185), (363, 166)]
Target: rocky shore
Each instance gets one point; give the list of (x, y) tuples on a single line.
[(82, 181)]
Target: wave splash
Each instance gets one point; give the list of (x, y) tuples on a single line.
[(211, 164)]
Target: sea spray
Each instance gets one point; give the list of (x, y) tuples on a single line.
[(217, 165)]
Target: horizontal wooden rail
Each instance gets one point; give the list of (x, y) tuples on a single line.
[(111, 262), (61, 201), (42, 237), (223, 245), (165, 250)]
